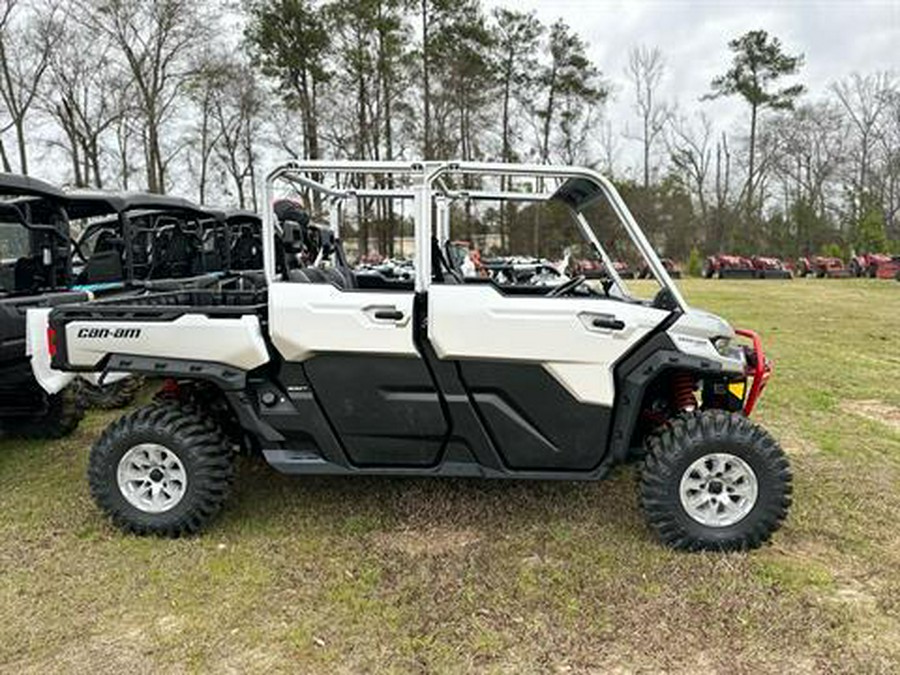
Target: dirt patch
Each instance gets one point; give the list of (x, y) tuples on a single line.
[(875, 410), (799, 447), (427, 542)]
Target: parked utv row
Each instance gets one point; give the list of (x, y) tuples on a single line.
[(424, 370), (61, 247)]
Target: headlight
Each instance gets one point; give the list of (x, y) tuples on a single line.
[(722, 344)]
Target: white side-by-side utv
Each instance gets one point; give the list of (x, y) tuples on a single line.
[(322, 369)]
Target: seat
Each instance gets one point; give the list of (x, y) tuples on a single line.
[(177, 253), (335, 277), (246, 252), (315, 275), (441, 271)]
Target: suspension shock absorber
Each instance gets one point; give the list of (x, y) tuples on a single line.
[(683, 392)]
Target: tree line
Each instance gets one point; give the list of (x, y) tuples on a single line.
[(190, 97)]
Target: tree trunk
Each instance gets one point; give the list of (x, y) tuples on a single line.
[(751, 168), (426, 91), (6, 167), (95, 163), (19, 124), (646, 151)]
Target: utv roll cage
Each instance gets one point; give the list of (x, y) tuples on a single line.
[(128, 210), (433, 185), (21, 198)]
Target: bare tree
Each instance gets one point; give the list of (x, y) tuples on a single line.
[(86, 96), (690, 150), (236, 107), (157, 41), (212, 75), (865, 100), (25, 46), (646, 68)]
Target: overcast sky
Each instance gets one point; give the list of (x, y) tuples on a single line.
[(836, 37)]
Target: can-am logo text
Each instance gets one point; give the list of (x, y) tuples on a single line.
[(127, 333)]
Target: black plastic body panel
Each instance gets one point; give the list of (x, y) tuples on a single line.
[(12, 319), (386, 410), (533, 420)]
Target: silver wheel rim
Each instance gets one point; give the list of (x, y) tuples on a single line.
[(151, 478), (718, 490)]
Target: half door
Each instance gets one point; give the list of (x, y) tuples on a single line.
[(539, 370), (357, 351)]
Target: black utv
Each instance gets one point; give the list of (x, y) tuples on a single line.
[(35, 271)]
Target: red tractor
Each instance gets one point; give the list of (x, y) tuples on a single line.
[(873, 265), (728, 267), (770, 268), (595, 269), (671, 267), (889, 269), (822, 267)]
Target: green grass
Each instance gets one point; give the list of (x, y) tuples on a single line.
[(411, 575)]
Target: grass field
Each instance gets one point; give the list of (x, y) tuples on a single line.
[(340, 575)]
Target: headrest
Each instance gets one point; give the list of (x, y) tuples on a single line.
[(289, 209)]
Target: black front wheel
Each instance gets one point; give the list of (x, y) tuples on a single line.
[(714, 480), (61, 415), (161, 470)]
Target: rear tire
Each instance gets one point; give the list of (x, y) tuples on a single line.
[(715, 481), (161, 470), (64, 413), (113, 396)]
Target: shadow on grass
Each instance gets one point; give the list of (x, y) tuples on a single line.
[(266, 501)]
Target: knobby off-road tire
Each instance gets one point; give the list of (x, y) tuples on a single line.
[(65, 410), (113, 396), (161, 470), (714, 480)]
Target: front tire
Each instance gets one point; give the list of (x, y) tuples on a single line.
[(715, 481), (161, 470), (64, 412)]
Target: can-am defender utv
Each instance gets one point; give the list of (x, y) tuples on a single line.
[(35, 271), (333, 372)]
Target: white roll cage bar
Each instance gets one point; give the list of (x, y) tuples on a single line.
[(428, 187)]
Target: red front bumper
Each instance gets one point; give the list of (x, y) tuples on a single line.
[(759, 368)]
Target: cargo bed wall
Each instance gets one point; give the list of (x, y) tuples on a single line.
[(222, 327)]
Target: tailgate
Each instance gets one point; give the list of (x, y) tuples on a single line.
[(12, 319)]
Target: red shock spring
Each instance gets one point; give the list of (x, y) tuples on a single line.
[(683, 392)]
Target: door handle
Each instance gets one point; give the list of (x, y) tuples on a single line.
[(388, 314), (610, 322)]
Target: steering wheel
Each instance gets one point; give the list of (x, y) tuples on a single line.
[(664, 300), (567, 286)]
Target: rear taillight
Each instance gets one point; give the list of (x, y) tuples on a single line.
[(51, 341)]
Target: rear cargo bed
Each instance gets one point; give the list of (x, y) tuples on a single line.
[(163, 333)]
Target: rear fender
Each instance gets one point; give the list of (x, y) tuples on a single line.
[(37, 350)]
